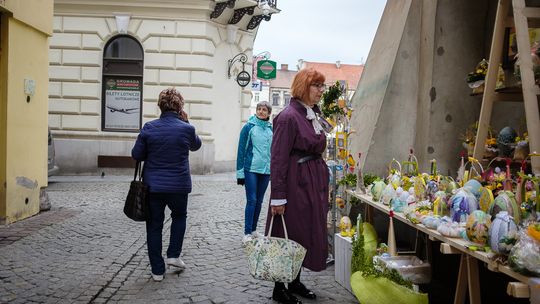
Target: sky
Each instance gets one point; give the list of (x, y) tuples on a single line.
[(320, 31)]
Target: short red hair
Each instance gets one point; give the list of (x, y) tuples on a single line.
[(303, 80)]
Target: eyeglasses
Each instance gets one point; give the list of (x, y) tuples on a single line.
[(320, 86)]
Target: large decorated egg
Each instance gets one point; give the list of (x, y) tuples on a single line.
[(486, 198), (419, 188), (474, 187), (505, 138), (377, 189), (505, 201), (462, 204), (503, 233), (477, 227)]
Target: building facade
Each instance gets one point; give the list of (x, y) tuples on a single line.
[(25, 29), (110, 59)]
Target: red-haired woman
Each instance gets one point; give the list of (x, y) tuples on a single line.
[(299, 188)]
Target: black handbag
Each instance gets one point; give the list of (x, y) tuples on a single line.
[(136, 206)]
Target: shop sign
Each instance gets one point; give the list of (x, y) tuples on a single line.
[(266, 69), (122, 103)]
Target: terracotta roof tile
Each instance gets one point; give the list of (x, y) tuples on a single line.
[(348, 72)]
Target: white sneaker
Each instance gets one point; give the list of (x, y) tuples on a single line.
[(246, 239), (157, 277), (257, 235), (176, 262)]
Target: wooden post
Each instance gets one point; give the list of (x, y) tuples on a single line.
[(491, 78), (473, 280), (461, 286), (530, 99)]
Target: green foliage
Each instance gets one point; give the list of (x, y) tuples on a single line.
[(370, 179), (355, 200), (329, 100), (348, 180)]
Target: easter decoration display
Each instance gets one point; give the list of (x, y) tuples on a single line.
[(462, 204), (506, 141)]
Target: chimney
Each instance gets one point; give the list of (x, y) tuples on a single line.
[(284, 67), (338, 64)]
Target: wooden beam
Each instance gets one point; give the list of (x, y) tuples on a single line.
[(447, 249), (518, 290), (461, 286), (473, 280)]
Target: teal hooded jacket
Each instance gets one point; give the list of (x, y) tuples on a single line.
[(254, 147)]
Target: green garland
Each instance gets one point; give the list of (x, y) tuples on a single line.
[(329, 106), (359, 263)]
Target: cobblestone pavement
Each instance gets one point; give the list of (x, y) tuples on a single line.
[(85, 250)]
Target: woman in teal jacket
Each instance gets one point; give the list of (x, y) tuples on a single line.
[(253, 164)]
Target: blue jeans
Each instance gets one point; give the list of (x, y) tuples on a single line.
[(177, 202), (256, 185)]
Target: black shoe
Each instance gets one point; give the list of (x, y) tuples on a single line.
[(301, 290), (282, 295)]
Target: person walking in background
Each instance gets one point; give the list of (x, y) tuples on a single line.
[(299, 176), (164, 144), (253, 164)]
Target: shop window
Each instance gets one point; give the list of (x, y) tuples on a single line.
[(275, 99), (122, 84)]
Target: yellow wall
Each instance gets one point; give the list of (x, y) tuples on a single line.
[(23, 125)]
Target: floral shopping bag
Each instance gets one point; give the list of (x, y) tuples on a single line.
[(274, 259)]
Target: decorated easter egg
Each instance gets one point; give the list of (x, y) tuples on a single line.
[(419, 187), (397, 205), (449, 228), (404, 196), (505, 201), (502, 233), (377, 189), (505, 138), (395, 180), (474, 187), (477, 227), (462, 204), (451, 187), (388, 194), (431, 221), (399, 190), (431, 188), (345, 224), (486, 198)]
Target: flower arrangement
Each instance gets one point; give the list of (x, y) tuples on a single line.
[(330, 100)]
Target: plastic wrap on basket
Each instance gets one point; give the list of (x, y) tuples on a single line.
[(525, 255)]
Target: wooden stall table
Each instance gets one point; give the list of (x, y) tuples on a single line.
[(468, 268)]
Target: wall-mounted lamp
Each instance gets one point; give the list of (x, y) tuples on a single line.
[(243, 78)]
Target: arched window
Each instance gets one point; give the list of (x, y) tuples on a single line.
[(122, 84)]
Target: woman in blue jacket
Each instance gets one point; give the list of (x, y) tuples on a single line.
[(164, 144), (253, 164)]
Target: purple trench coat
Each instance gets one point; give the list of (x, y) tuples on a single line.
[(304, 185)]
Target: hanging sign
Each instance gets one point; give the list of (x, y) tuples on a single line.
[(266, 69), (243, 79)]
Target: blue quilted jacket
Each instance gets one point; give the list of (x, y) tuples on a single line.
[(254, 147), (164, 146)]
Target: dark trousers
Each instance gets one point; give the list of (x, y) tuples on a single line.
[(256, 185), (177, 203)]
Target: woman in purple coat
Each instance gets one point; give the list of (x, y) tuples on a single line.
[(299, 178)]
